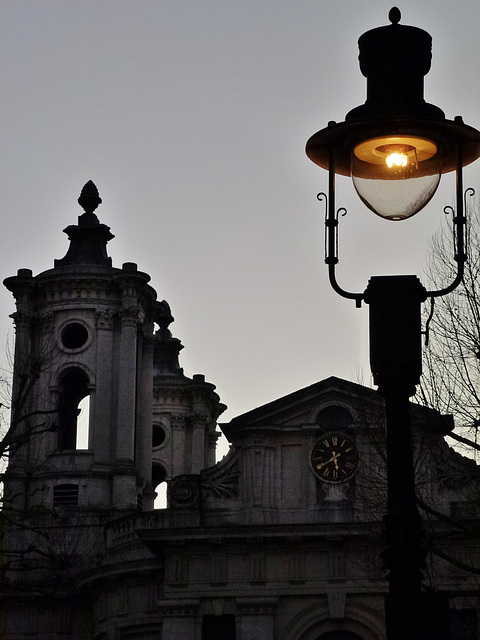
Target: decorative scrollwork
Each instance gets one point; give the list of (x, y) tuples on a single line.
[(184, 492), (331, 226), (227, 486), (178, 422), (104, 318), (322, 197), (199, 419), (469, 193)]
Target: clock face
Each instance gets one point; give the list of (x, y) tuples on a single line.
[(334, 457)]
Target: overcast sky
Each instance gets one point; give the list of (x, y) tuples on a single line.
[(191, 117)]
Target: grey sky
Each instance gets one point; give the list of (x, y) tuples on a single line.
[(191, 117)]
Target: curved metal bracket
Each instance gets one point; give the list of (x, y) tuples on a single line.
[(459, 231), (331, 235), (331, 232)]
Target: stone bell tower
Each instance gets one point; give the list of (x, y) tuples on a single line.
[(94, 357), (185, 410), (84, 331)]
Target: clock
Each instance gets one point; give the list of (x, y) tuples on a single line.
[(334, 458)]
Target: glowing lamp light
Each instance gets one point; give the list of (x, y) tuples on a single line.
[(396, 176), (396, 145), (396, 159)]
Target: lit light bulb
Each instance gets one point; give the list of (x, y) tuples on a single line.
[(396, 160), (395, 175)]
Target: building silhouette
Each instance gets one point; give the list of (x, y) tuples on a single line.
[(281, 540)]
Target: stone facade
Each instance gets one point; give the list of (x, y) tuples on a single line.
[(268, 544)]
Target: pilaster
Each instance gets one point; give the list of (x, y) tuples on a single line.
[(199, 423), (102, 413), (143, 438), (127, 374), (178, 427)]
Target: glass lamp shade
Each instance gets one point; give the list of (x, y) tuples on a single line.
[(396, 176)]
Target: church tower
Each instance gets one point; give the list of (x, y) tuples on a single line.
[(87, 360), (185, 410)]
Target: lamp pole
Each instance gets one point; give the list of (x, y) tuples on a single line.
[(395, 359), (395, 147)]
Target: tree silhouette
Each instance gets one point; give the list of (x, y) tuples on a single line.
[(451, 362)]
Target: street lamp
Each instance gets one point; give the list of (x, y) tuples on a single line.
[(395, 147)]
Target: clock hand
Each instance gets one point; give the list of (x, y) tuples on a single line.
[(335, 460), (319, 466), (332, 459)]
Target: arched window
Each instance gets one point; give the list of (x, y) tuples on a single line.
[(73, 418), (158, 482), (83, 423), (158, 435), (334, 418)]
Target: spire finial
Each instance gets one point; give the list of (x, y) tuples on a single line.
[(394, 15), (89, 198), (88, 239), (167, 348)]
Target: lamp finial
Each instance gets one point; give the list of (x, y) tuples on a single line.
[(394, 15)]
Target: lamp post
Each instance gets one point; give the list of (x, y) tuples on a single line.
[(395, 147)]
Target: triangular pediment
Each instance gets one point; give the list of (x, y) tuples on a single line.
[(302, 406)]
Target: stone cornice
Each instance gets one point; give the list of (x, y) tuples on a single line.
[(179, 608), (256, 606), (262, 534)]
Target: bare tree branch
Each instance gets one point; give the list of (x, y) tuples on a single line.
[(451, 378)]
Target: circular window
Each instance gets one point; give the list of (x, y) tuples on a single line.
[(158, 435), (74, 335)]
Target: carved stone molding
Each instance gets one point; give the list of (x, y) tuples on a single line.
[(178, 422), (256, 606), (199, 419), (130, 316), (22, 320), (213, 436), (105, 319), (179, 608), (44, 321)]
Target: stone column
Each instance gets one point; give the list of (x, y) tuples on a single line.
[(212, 438), (143, 440), (127, 382), (124, 481)]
